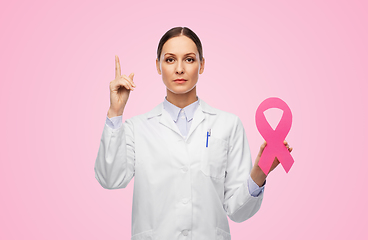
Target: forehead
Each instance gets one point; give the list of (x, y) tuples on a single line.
[(179, 46)]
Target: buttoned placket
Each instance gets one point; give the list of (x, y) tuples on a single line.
[(185, 197), (184, 201)]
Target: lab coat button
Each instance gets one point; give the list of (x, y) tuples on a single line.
[(185, 169), (185, 200), (185, 232)]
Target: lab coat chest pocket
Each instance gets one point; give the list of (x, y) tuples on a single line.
[(214, 158)]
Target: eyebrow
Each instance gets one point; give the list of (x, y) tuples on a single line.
[(184, 55)]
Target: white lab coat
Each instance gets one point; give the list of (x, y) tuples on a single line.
[(182, 189)]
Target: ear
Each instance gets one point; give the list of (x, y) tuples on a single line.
[(202, 66), (158, 66)]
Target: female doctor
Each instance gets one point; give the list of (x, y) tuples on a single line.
[(191, 162)]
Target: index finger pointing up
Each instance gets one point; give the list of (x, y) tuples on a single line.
[(117, 67)]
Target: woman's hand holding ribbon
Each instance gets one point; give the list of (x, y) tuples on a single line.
[(257, 174)]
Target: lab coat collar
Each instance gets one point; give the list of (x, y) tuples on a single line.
[(167, 121), (175, 111)]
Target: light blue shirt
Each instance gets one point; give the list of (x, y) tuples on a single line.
[(183, 119)]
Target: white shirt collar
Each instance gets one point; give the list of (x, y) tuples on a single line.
[(174, 110)]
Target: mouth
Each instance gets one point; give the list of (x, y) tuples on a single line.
[(181, 80)]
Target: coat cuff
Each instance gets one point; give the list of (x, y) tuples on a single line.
[(244, 204)]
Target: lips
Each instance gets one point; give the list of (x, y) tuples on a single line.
[(181, 80)]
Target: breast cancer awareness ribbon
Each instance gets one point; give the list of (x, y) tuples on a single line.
[(275, 138)]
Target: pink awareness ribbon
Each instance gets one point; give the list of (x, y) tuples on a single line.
[(275, 138)]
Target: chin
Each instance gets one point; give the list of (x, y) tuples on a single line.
[(179, 90)]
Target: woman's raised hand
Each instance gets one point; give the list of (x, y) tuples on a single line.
[(119, 91)]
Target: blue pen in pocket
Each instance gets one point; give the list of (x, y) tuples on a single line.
[(208, 135)]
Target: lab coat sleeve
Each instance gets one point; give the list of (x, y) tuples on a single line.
[(238, 203), (114, 166)]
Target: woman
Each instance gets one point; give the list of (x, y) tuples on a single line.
[(191, 162)]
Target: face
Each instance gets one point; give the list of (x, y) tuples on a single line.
[(180, 60)]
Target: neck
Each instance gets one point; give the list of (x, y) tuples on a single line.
[(182, 100)]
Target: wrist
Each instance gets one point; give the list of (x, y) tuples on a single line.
[(111, 113), (258, 175)]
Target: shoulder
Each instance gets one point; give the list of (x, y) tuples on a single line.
[(220, 114), (227, 125), (141, 118)]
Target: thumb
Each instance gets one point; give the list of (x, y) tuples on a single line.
[(131, 76), (262, 148)]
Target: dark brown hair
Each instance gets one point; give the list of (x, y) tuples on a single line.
[(175, 32)]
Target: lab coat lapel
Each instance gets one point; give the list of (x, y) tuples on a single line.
[(164, 117), (199, 115), (167, 121)]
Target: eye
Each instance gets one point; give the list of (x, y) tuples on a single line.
[(190, 59), (169, 60)]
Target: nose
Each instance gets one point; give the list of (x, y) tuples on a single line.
[(179, 68)]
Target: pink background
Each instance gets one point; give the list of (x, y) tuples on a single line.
[(57, 59)]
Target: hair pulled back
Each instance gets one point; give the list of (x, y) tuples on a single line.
[(175, 32)]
